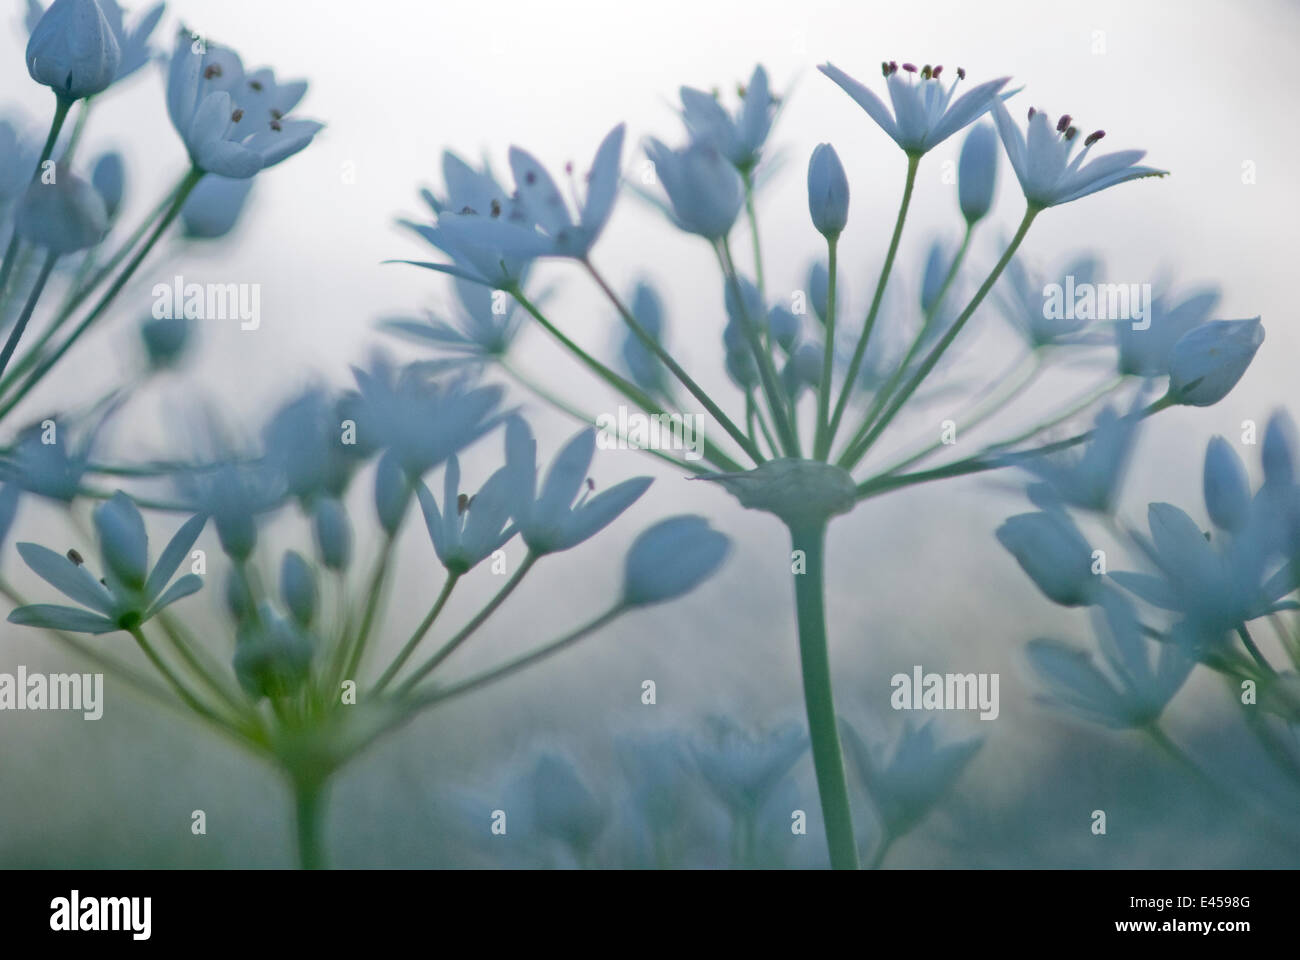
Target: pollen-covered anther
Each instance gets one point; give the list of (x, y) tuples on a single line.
[(1070, 132), (237, 115), (1094, 137), (255, 85), (276, 126), (76, 558), (910, 67), (496, 207), (1032, 111), (1063, 123), (926, 72), (937, 70), (961, 73), (276, 114), (212, 71)]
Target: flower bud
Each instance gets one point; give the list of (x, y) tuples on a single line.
[(783, 327), (214, 207), (672, 558), (72, 50), (63, 216), (298, 588), (1279, 453), (109, 177), (1207, 362), (1051, 550), (273, 658), (828, 191), (703, 187), (977, 172), (333, 533), (165, 339), (392, 493), (1227, 486), (122, 540)]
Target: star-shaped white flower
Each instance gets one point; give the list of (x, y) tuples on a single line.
[(925, 113), (1042, 161)]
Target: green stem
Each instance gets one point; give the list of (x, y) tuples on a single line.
[(987, 459), (855, 451), (61, 109), (468, 630), (528, 383), (828, 758), (106, 300), (1256, 654), (674, 367), (373, 596), (776, 401), (420, 631), (310, 797), (176, 683), (1013, 384), (751, 214), (517, 664), (20, 325), (913, 160), (822, 440)]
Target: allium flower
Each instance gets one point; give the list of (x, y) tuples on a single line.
[(464, 230), (468, 529), (740, 138), (1052, 551), (742, 768), (130, 592), (1208, 361), (303, 442), (18, 155), (557, 518), (1042, 161), (925, 113), (108, 176), (214, 206), (1146, 352), (133, 43), (1226, 486), (561, 235), (563, 808), (1089, 479), (64, 216), (828, 191), (234, 495), (907, 778), (45, 463), (647, 370), (672, 558), (1138, 687), (72, 50), (477, 332), (233, 123), (1021, 297), (419, 422), (977, 173), (704, 189), (1215, 585)]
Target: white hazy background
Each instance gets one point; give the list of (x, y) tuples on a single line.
[(914, 578)]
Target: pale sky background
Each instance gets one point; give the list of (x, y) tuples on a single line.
[(1203, 86)]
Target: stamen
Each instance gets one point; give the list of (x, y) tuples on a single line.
[(276, 126), (1070, 132), (910, 67), (467, 209), (961, 73), (276, 114), (893, 66), (212, 70), (1032, 111), (926, 73), (256, 85), (884, 68), (76, 558), (1063, 123), (937, 70), (1094, 137), (237, 115), (496, 207), (462, 503)]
